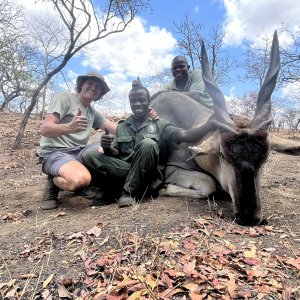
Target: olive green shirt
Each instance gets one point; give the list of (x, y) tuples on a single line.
[(194, 83), (127, 136)]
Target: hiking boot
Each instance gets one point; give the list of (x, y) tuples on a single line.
[(126, 200), (102, 201), (49, 200), (86, 193)]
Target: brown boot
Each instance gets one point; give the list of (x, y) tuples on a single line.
[(49, 200)]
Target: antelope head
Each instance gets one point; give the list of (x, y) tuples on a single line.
[(243, 148)]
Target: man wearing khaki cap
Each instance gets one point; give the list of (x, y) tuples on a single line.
[(65, 133)]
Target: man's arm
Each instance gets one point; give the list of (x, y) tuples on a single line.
[(196, 134), (52, 128), (111, 126)]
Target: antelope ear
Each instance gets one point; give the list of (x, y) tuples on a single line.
[(284, 146)]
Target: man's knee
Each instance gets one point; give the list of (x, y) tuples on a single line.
[(87, 156), (73, 176), (80, 180), (148, 145)]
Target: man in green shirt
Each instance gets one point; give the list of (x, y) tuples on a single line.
[(65, 133), (188, 81), (133, 160)]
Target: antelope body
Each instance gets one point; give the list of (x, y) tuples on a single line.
[(233, 150)]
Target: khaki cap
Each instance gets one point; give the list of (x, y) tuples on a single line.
[(94, 75)]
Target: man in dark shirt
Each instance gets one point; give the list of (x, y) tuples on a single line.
[(135, 156)]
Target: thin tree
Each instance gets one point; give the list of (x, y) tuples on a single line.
[(297, 124), (290, 56), (190, 37), (221, 61), (84, 24), (189, 42), (290, 62), (13, 54), (158, 78), (256, 63), (291, 118), (257, 59), (15, 77), (10, 15)]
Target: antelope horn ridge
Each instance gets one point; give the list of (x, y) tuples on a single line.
[(263, 117), (222, 118)]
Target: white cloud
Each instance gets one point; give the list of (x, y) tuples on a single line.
[(133, 51), (32, 8), (291, 91), (140, 50), (247, 19)]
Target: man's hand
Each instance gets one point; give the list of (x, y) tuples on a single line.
[(152, 114), (78, 123), (106, 140)]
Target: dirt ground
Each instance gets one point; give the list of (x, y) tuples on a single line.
[(40, 250)]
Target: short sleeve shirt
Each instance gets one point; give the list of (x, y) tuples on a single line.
[(66, 105), (127, 136), (194, 84)]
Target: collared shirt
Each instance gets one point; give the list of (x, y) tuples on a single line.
[(127, 136)]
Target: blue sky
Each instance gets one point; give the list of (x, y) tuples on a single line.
[(166, 12), (149, 44)]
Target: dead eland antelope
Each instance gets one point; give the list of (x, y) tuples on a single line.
[(233, 150)]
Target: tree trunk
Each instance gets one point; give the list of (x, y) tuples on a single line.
[(19, 138), (34, 98), (296, 127), (4, 104), (44, 101), (7, 100)]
